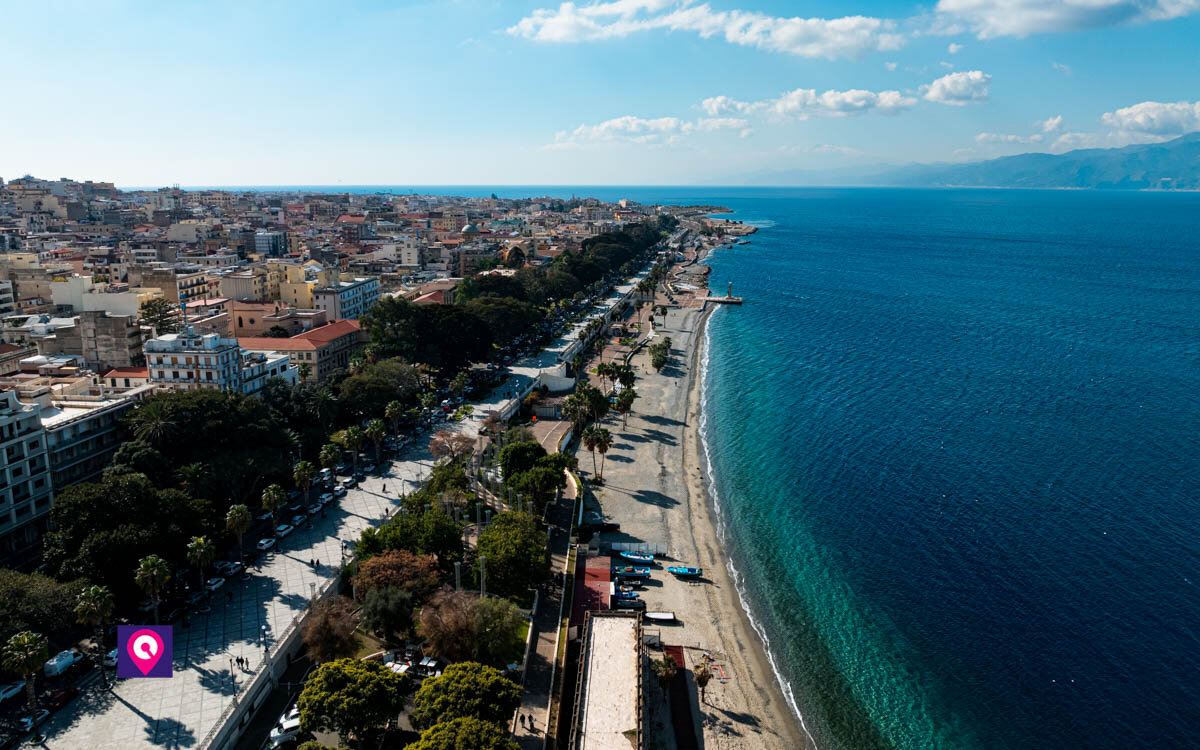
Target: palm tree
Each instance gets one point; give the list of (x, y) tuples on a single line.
[(603, 443), (604, 370), (591, 438), (626, 376), (95, 607), (24, 654), (200, 552), (237, 521), (324, 407), (577, 409), (303, 474), (376, 431), (273, 498), (304, 370), (703, 674), (625, 404), (664, 669), (151, 577), (329, 456), (460, 383), (153, 421), (393, 412), (353, 437)]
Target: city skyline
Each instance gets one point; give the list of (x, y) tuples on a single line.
[(542, 93)]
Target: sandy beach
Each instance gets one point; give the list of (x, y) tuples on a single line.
[(655, 488)]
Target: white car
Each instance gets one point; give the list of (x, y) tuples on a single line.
[(299, 519), (229, 569), (325, 497), (339, 491), (349, 482), (285, 731), (27, 723), (214, 583), (283, 530), (11, 690), (61, 662), (110, 659), (265, 544)]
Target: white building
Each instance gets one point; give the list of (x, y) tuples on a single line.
[(8, 302), (189, 360), (347, 299), (25, 490)]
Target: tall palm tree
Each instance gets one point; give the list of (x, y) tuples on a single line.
[(200, 552), (603, 443), (273, 498), (153, 421), (376, 431), (95, 607), (664, 669), (703, 674), (625, 404), (604, 370), (577, 409), (353, 437), (324, 407), (237, 521), (303, 474), (393, 412), (591, 438), (151, 577), (24, 654), (329, 456), (626, 376)]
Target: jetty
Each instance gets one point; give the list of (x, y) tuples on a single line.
[(728, 299)]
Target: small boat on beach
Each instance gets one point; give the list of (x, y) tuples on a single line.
[(659, 616), (628, 571), (623, 595), (638, 557), (685, 571)]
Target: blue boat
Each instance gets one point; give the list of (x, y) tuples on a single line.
[(637, 557), (627, 595), (685, 571), (628, 571)]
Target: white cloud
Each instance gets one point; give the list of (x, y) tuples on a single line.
[(890, 65), (1155, 118), (947, 65), (715, 105), (632, 129), (851, 36), (954, 49), (1050, 124), (994, 18), (802, 104), (1061, 68), (958, 89), (1006, 138)]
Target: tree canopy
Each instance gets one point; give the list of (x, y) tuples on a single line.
[(465, 733), (466, 690), (516, 551), (351, 697), (400, 569)]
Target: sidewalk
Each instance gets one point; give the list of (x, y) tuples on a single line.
[(539, 674)]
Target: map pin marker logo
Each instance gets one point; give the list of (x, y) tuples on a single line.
[(145, 648)]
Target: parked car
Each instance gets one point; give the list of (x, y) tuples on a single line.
[(196, 597), (110, 659), (212, 584), (283, 530), (325, 497), (265, 544), (349, 482), (61, 662), (264, 516), (368, 468), (232, 569), (27, 723), (339, 491), (60, 698), (11, 690), (224, 566), (299, 518), (287, 730)]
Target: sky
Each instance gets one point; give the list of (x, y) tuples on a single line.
[(625, 92)]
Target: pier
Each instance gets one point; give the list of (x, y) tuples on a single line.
[(728, 299)]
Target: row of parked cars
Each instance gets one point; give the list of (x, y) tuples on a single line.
[(63, 665)]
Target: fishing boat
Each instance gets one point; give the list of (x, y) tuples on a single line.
[(627, 589), (638, 557), (684, 571), (659, 616), (628, 571), (628, 595)]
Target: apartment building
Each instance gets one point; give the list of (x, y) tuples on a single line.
[(190, 360), (318, 353), (347, 299), (25, 489)]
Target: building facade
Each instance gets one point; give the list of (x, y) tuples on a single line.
[(347, 299), (25, 489)]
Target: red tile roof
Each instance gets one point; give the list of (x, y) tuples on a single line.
[(128, 372)]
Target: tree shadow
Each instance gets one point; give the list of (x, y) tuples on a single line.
[(219, 681), (170, 733), (620, 459), (661, 420), (653, 497), (660, 436)]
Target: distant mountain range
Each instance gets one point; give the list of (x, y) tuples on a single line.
[(1172, 165)]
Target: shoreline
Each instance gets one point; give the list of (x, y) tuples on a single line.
[(702, 492)]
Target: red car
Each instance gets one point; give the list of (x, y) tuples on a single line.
[(60, 698)]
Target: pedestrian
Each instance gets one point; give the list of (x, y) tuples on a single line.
[(521, 719)]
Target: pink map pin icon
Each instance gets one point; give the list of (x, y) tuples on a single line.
[(145, 648)]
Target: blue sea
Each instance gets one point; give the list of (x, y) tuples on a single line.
[(954, 436)]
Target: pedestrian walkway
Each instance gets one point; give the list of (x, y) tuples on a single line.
[(539, 674)]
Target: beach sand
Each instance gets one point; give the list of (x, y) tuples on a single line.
[(655, 488)]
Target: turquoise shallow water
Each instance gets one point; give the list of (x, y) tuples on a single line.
[(953, 437)]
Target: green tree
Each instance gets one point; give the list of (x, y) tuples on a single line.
[(330, 456), (273, 498), (464, 733), (352, 438), (591, 439), (425, 532), (496, 631), (518, 457), (603, 443), (664, 669), (304, 371), (24, 654), (238, 520), (151, 577), (352, 697), (303, 474), (539, 484), (465, 690), (154, 421), (162, 315), (703, 674), (376, 431), (200, 553), (460, 383), (394, 412), (516, 551), (387, 612), (329, 633), (625, 401), (577, 409), (95, 608)]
